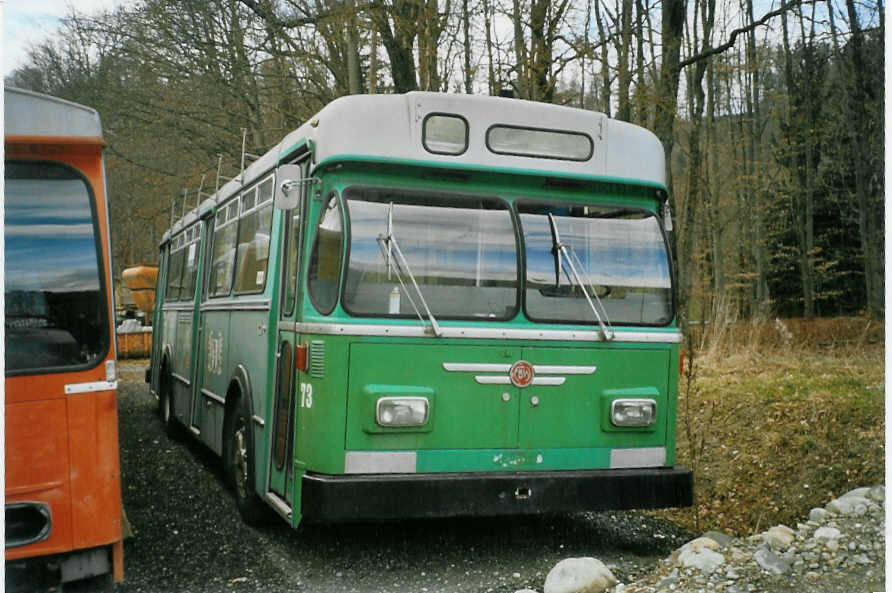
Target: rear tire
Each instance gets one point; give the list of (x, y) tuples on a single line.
[(238, 463)]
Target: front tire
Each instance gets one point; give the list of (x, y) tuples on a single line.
[(238, 462)]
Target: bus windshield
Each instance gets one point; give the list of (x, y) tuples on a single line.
[(55, 308), (461, 250), (623, 261)]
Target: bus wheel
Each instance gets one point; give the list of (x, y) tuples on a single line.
[(165, 403), (238, 460)]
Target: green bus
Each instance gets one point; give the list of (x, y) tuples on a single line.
[(430, 305)]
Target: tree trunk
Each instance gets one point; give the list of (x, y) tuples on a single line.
[(624, 111), (353, 77), (667, 96), (487, 23), (754, 121), (466, 30), (867, 219), (605, 63), (373, 61)]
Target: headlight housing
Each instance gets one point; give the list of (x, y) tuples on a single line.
[(633, 412), (402, 411)]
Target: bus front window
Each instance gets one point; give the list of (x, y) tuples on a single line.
[(624, 262), (55, 307), (461, 251)]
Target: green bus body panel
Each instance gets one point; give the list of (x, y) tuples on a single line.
[(319, 437), (463, 413), (468, 415)]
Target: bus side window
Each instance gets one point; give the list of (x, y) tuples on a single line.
[(253, 240), (223, 253), (190, 268), (174, 277), (293, 234), (325, 260)]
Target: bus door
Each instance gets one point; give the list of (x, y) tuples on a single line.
[(199, 353), (182, 365), (288, 350)]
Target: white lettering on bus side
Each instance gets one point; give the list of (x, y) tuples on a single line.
[(215, 353)]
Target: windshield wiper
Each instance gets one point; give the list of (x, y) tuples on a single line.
[(559, 250), (389, 247)]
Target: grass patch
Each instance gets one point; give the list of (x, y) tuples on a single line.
[(784, 417)]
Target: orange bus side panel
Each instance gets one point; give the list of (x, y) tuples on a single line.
[(37, 468), (95, 479)]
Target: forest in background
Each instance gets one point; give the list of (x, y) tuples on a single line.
[(771, 115)]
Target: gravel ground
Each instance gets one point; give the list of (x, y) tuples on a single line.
[(189, 537)]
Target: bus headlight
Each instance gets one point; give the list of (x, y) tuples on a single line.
[(633, 412), (402, 411)]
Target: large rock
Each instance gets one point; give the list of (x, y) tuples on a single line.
[(857, 492), (817, 515), (771, 562), (827, 533), (850, 504), (722, 539), (877, 493), (779, 537), (701, 553), (579, 575)]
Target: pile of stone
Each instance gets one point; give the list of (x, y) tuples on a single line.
[(848, 534)]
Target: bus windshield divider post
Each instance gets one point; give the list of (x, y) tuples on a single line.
[(389, 245), (566, 251)]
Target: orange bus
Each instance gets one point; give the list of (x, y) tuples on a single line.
[(63, 484)]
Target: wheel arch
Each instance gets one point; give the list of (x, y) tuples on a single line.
[(239, 386)]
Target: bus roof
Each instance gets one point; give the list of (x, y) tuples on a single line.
[(26, 113), (390, 127)]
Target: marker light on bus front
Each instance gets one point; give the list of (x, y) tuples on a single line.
[(633, 412), (401, 411)]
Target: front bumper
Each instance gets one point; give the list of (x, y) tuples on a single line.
[(404, 496)]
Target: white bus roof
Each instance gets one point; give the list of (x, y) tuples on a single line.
[(390, 127), (26, 113)]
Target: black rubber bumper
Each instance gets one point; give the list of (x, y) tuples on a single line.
[(403, 496)]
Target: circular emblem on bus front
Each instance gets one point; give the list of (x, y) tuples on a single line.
[(521, 373)]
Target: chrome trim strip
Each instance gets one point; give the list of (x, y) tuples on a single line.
[(473, 367), (492, 380), (262, 305), (546, 369), (73, 388), (637, 457), (285, 326), (385, 462), (258, 420), (485, 333), (548, 380), (213, 396), (181, 379)]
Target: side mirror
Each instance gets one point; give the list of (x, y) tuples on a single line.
[(289, 179)]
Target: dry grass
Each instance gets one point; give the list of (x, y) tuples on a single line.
[(781, 417)]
